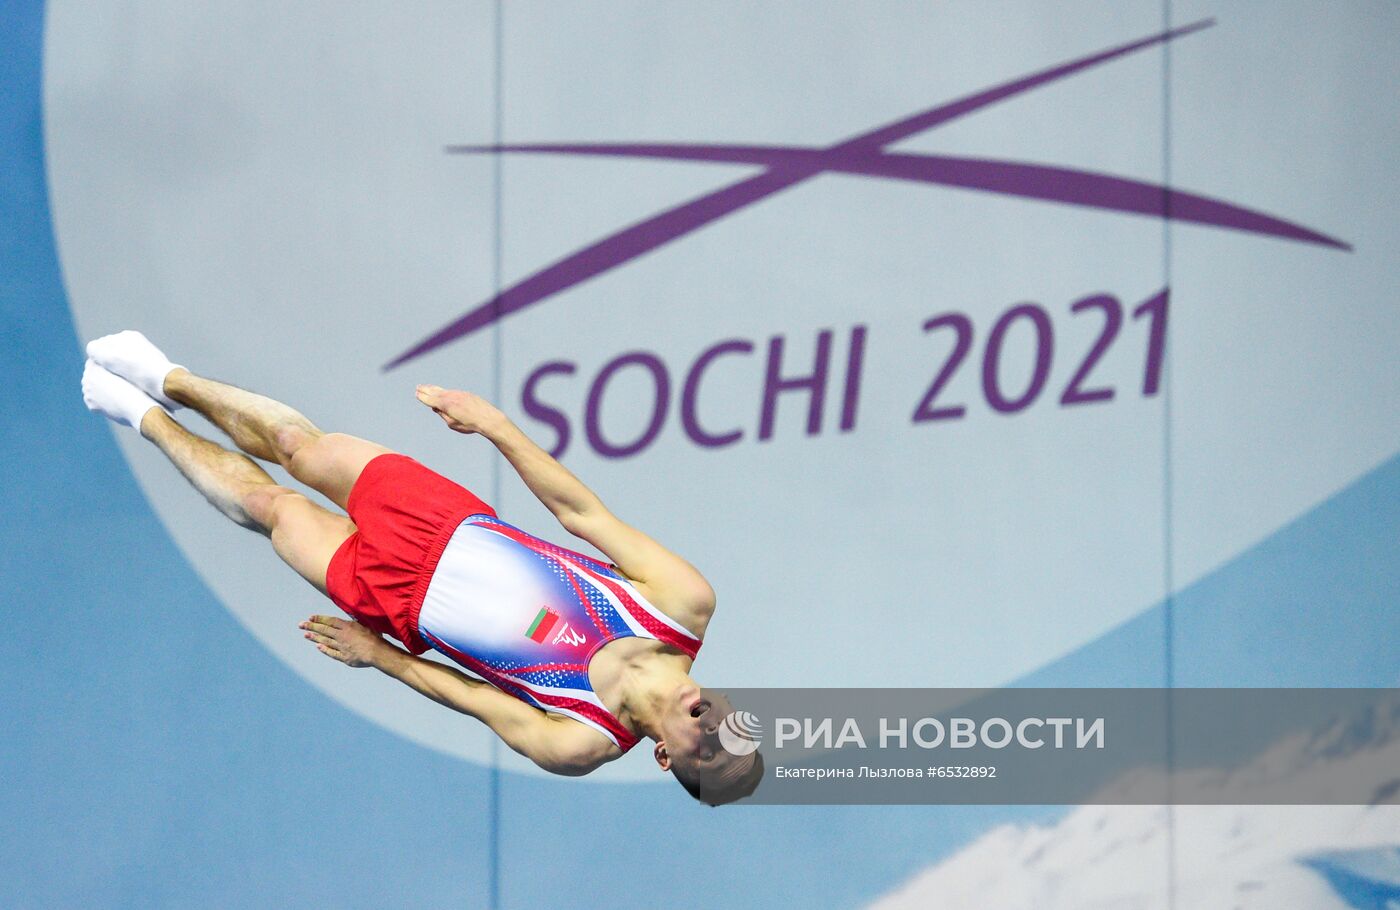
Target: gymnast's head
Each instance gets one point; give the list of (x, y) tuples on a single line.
[(714, 758)]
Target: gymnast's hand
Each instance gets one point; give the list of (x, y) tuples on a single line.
[(348, 642), (464, 412)]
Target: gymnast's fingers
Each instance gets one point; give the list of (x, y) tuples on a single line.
[(325, 625)]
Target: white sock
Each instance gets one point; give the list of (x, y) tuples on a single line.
[(131, 356), (114, 397)]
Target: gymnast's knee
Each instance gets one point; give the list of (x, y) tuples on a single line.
[(310, 458), (291, 440), (266, 504)]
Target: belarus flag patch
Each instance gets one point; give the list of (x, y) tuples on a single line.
[(542, 624)]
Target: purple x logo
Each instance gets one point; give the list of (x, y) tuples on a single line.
[(865, 156)]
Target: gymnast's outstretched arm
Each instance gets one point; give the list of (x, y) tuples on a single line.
[(556, 744), (682, 591)]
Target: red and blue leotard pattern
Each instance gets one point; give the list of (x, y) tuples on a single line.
[(527, 616)]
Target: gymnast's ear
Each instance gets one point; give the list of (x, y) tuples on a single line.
[(663, 758)]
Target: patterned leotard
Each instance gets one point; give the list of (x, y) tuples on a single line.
[(527, 616)]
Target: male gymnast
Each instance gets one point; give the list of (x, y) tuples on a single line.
[(581, 658)]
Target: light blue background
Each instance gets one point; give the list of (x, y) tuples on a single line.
[(154, 754)]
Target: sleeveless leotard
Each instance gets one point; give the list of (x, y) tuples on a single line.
[(527, 616)]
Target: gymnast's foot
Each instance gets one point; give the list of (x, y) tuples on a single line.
[(131, 356), (115, 398)]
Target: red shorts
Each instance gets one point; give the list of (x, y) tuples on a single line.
[(404, 515)]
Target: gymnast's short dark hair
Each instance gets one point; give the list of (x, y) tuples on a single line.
[(739, 789)]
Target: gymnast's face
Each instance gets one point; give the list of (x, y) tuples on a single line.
[(691, 746), (691, 724)]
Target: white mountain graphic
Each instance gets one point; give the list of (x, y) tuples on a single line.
[(1232, 857)]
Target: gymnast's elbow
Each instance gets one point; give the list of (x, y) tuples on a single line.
[(567, 766), (568, 749)]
